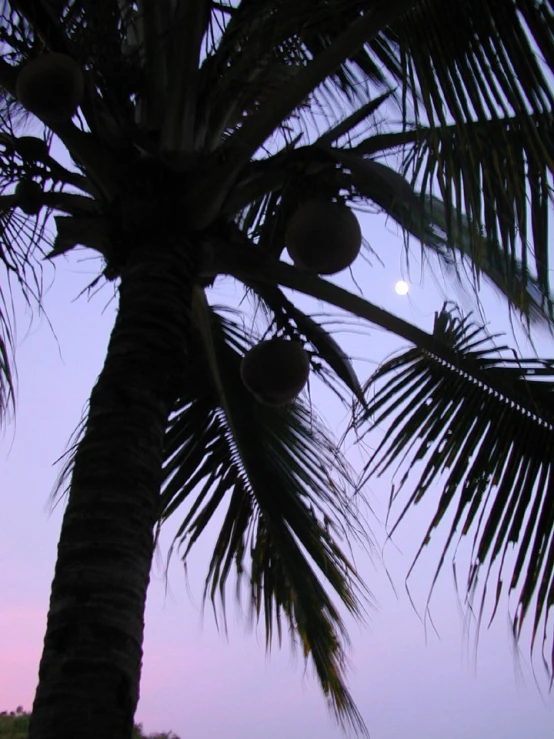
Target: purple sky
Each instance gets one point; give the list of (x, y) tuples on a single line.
[(406, 680)]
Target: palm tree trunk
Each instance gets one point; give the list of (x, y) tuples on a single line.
[(90, 668)]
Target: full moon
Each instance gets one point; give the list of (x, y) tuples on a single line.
[(401, 287)]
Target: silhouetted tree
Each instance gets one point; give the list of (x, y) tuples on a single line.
[(204, 139)]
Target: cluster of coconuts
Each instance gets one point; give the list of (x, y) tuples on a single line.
[(51, 86), (322, 237)]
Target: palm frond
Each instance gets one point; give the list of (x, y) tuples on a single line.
[(244, 142), (7, 378), (488, 441), (476, 66), (463, 63), (286, 512), (22, 243), (476, 60), (532, 299), (370, 180), (38, 22), (494, 179), (257, 36), (347, 125), (191, 21)]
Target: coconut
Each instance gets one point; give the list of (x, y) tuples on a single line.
[(51, 86), (32, 149), (323, 237), (29, 197), (275, 371)]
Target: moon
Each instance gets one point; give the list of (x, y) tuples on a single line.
[(401, 287)]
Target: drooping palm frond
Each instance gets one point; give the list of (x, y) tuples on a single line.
[(24, 236), (263, 222), (23, 240), (476, 60), (460, 63), (476, 66), (20, 270), (285, 509), (7, 379), (488, 440), (531, 297), (495, 180)]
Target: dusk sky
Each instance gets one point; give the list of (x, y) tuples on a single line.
[(408, 680)]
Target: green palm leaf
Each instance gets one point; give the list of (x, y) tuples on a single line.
[(285, 510), (488, 441)]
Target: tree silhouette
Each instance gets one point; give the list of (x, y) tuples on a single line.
[(206, 139)]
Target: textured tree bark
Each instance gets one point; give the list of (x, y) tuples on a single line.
[(90, 669)]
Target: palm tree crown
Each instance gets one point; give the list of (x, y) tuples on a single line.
[(211, 138)]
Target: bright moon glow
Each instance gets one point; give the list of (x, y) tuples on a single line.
[(402, 287)]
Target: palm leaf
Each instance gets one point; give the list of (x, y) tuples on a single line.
[(346, 127), (243, 143), (6, 359), (465, 62), (22, 243), (533, 299), (268, 35), (494, 180), (286, 512), (458, 64), (488, 440), (476, 60)]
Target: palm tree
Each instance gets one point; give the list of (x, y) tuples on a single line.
[(197, 132)]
